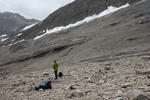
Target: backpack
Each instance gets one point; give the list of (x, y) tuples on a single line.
[(60, 74)]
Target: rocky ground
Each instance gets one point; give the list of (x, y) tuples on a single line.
[(120, 76)]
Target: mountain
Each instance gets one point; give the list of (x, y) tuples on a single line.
[(115, 44), (73, 12), (12, 22)]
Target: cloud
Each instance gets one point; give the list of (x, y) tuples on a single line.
[(38, 9)]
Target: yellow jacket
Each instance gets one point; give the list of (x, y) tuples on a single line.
[(55, 67)]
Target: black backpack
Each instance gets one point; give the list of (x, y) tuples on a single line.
[(60, 74)]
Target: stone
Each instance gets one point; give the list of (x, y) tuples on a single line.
[(97, 78), (73, 87), (126, 85), (133, 95), (78, 93), (75, 93), (143, 20), (142, 72), (45, 74), (107, 68), (2, 78), (119, 98), (148, 76), (136, 95), (146, 58)]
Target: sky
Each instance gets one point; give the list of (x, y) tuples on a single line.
[(38, 9)]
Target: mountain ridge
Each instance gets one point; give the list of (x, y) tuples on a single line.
[(11, 23), (72, 13)]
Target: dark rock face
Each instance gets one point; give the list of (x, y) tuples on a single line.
[(72, 13), (13, 22)]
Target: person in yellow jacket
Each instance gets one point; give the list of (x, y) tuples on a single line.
[(55, 67)]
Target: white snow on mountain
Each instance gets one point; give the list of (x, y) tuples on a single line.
[(3, 39), (140, 1), (16, 42), (27, 27), (3, 35), (109, 10), (19, 34)]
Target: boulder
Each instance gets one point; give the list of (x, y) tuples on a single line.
[(148, 76), (126, 85), (143, 20), (134, 95), (78, 93), (45, 74), (107, 68), (119, 98), (75, 93), (97, 78), (147, 58), (142, 72), (73, 87)]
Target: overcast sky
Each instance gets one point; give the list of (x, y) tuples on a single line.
[(38, 9)]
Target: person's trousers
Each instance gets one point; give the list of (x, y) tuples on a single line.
[(56, 75)]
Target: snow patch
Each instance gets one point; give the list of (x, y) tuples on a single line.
[(27, 27), (3, 39), (109, 10), (3, 35), (16, 42), (3, 46), (140, 1), (19, 34)]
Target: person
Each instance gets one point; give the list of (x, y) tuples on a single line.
[(46, 85), (55, 68)]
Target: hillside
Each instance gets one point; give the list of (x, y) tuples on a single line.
[(12, 22), (117, 44)]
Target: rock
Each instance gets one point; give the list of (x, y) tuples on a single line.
[(73, 87), (148, 76), (97, 78), (143, 72), (143, 20), (78, 93), (146, 58), (119, 98), (107, 68), (136, 95), (133, 95), (126, 85), (75, 93), (119, 93), (45, 74), (2, 78), (114, 23)]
